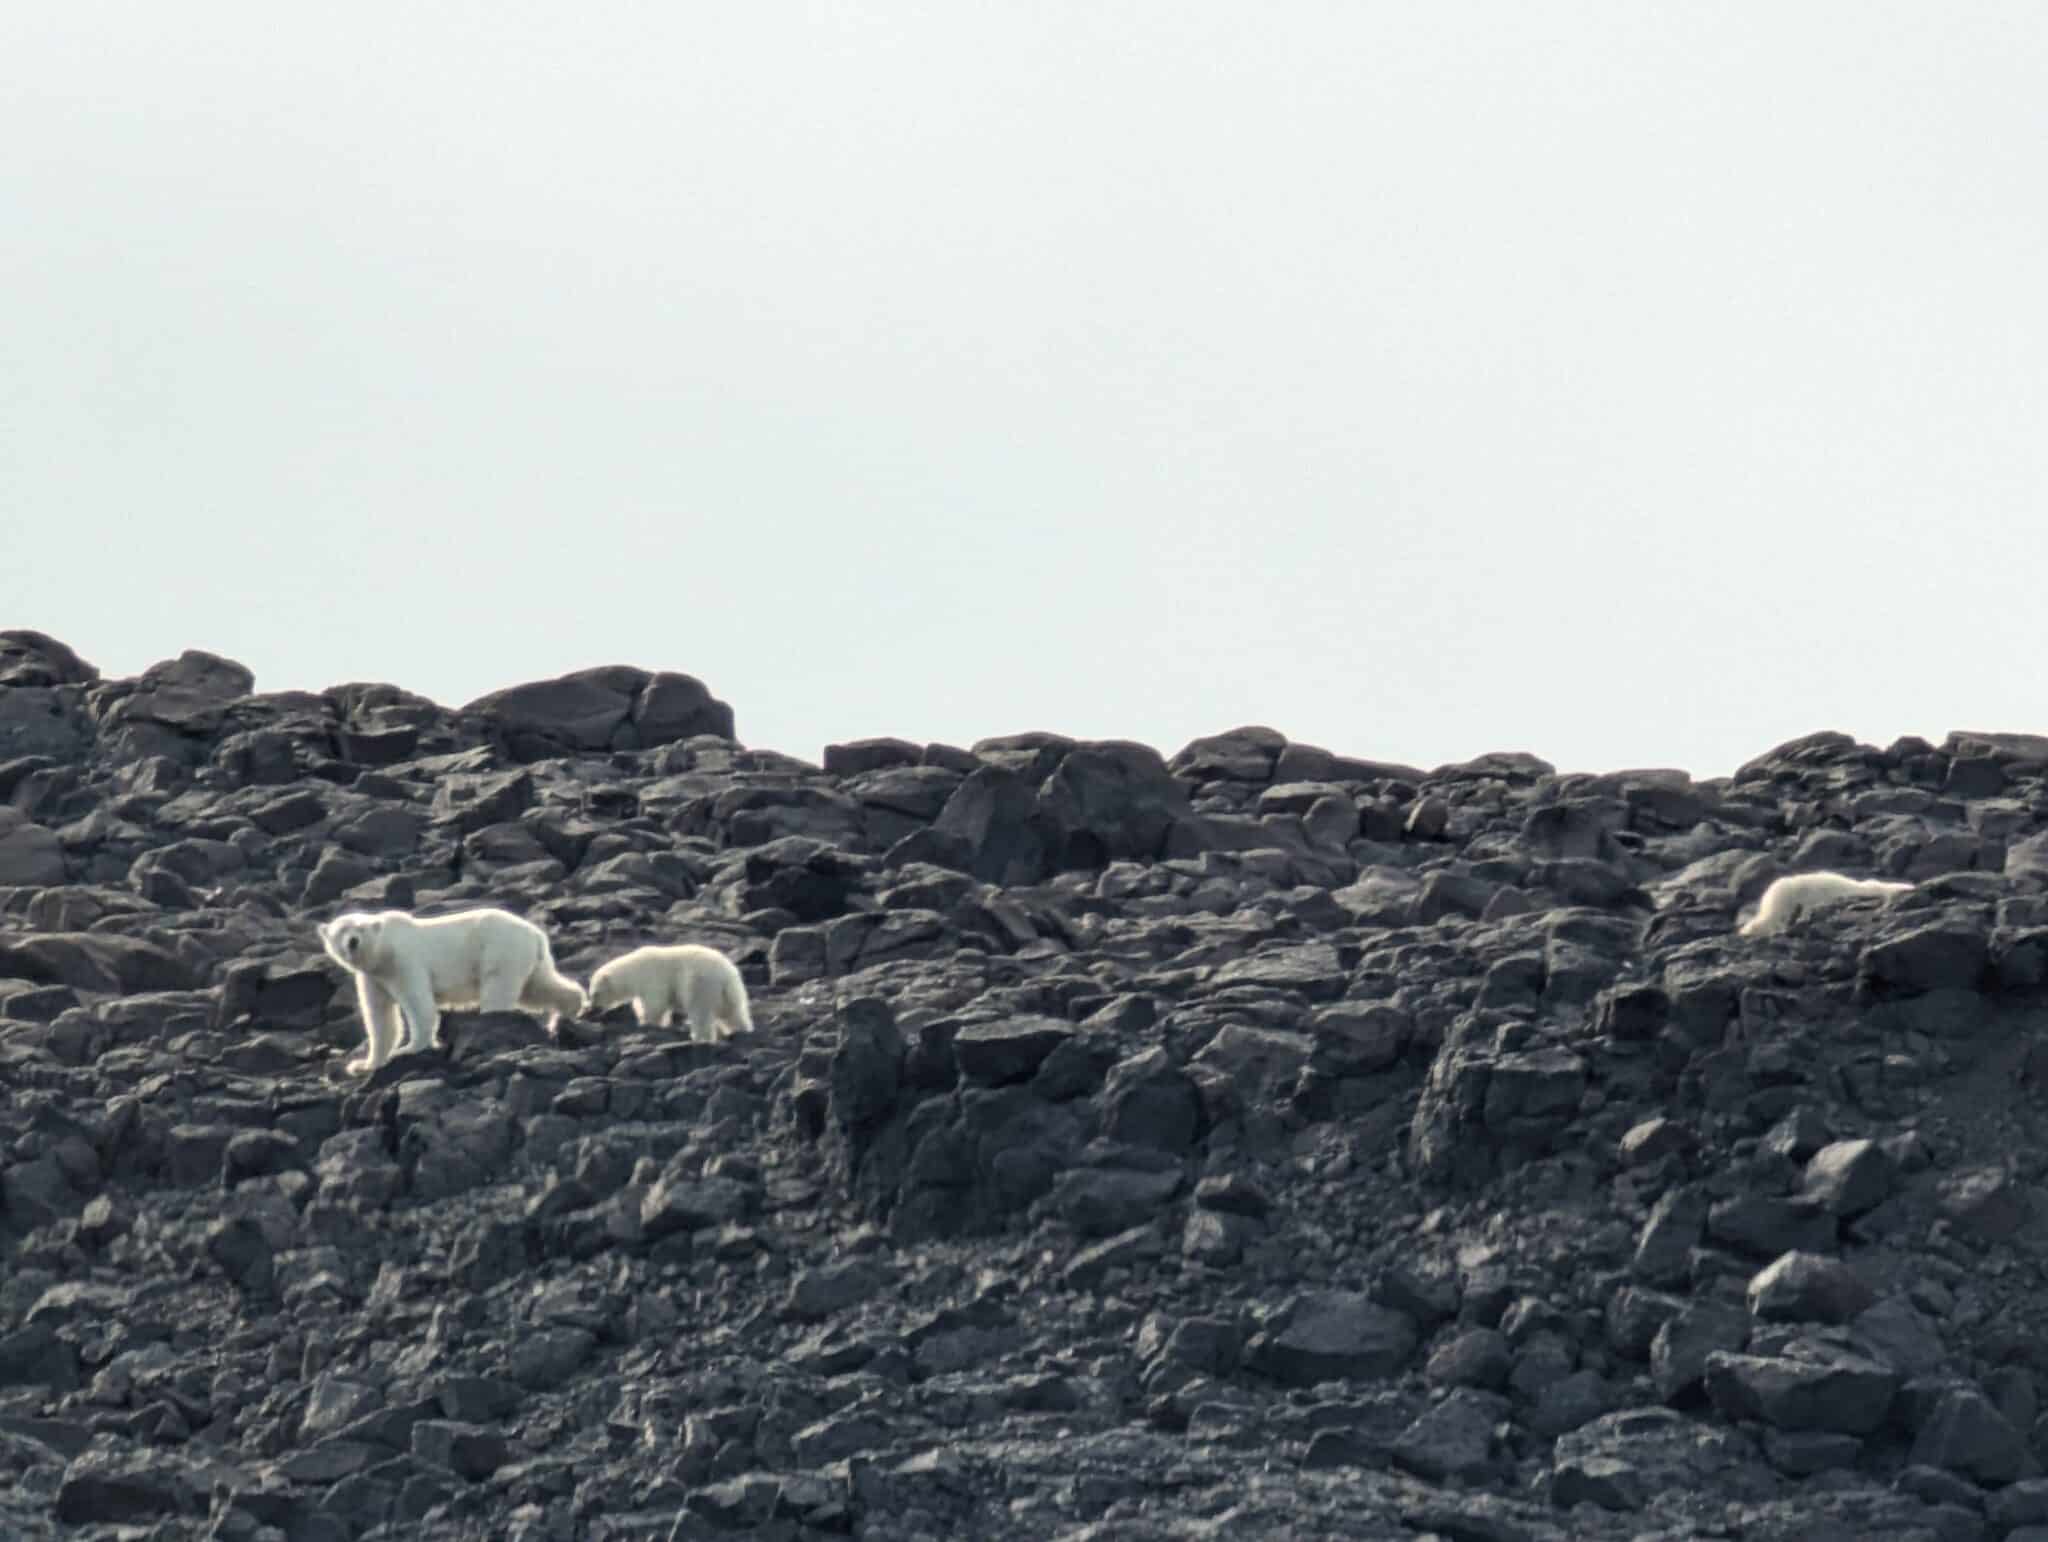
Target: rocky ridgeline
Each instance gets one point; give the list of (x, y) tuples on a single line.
[(1259, 1142)]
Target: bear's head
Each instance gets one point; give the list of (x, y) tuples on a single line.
[(607, 989), (351, 940)]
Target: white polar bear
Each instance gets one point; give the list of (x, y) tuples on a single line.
[(408, 968), (702, 982), (1797, 894)]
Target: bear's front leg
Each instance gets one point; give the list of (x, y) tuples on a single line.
[(381, 1027), (422, 1015)]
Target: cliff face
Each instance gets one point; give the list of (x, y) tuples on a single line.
[(1258, 1142)]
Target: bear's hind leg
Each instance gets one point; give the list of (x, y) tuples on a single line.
[(503, 966), (499, 990)]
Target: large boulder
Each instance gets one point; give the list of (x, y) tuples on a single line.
[(30, 855), (42, 720), (175, 708), (614, 706), (92, 961), (1113, 802), (992, 827), (34, 659)]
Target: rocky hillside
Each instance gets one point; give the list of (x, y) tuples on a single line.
[(1257, 1142)]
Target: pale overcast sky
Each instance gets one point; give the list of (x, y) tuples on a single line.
[(1631, 384)]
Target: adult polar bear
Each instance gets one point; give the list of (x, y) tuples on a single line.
[(1797, 894), (408, 968), (701, 982)]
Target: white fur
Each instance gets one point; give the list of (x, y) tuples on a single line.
[(701, 982), (1799, 893), (407, 969)]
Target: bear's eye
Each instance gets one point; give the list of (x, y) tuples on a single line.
[(353, 943)]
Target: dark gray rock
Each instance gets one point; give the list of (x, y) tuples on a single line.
[(587, 710), (1457, 1439), (1478, 1357), (1814, 1388), (1210, 1345), (832, 1288), (1233, 1194), (1091, 1265), (1245, 754), (1765, 1226), (243, 1253), (469, 802), (867, 1064), (678, 1203), (37, 1356), (994, 828), (470, 1451), (1901, 1335), (1423, 1286), (1664, 1249), (113, 1487), (1532, 1095), (1655, 1139), (1802, 1453), (1679, 1352), (30, 855), (1570, 1401), (672, 707), (998, 1053), (1849, 1177), (1330, 1335), (544, 1360), (1964, 1433), (1312, 970), (1358, 1038), (1941, 956), (1806, 1287), (275, 995), (1148, 1102), (862, 755), (1633, 1318), (186, 696), (93, 961), (1112, 802), (1986, 1203), (2021, 1503), (30, 659), (1099, 1201)]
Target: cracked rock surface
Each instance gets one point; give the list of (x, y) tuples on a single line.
[(1256, 1142)]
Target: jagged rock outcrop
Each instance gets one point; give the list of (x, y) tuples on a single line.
[(1254, 1140)]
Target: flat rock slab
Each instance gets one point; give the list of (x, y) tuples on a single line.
[(1010, 1050)]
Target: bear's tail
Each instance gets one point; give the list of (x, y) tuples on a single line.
[(548, 987)]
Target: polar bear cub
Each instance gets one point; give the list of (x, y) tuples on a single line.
[(407, 969), (700, 982), (1797, 894)]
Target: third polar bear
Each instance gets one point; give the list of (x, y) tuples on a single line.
[(1797, 894), (408, 968), (700, 982)]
